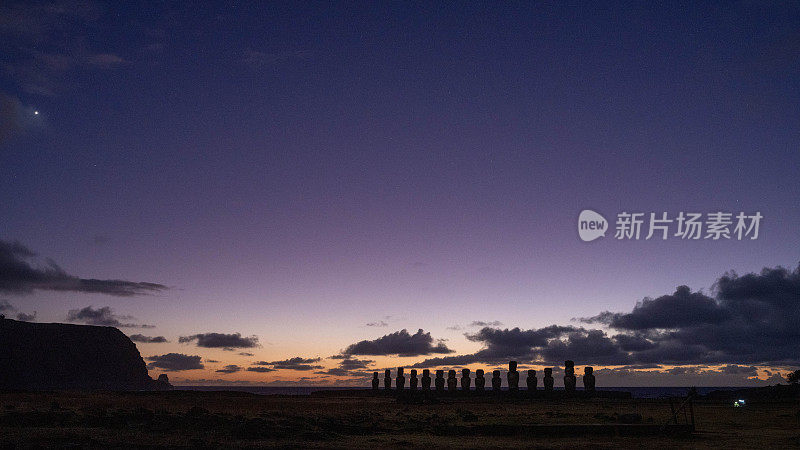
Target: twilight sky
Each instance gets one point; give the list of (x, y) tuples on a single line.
[(318, 175)]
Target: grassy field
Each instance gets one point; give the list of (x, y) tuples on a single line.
[(229, 419)]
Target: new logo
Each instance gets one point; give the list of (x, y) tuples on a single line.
[(591, 225)]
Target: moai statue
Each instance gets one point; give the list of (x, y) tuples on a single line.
[(513, 376), (465, 380), (496, 381), (375, 381), (548, 379), (412, 382), (452, 381), (387, 379), (400, 380), (569, 376), (439, 382), (426, 379), (588, 379), (532, 381), (480, 382)]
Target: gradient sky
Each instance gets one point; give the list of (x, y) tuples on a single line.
[(296, 171)]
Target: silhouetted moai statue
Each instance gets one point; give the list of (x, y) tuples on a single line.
[(480, 382), (513, 376), (548, 379), (412, 382), (532, 381), (375, 381), (569, 376), (588, 379), (387, 379), (496, 380), (426, 379), (439, 382), (400, 380), (465, 380), (161, 384), (452, 381)]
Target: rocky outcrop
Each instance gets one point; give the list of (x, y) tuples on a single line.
[(56, 356)]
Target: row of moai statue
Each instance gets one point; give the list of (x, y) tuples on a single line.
[(439, 383)]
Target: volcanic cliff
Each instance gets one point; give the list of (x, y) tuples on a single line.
[(57, 356)]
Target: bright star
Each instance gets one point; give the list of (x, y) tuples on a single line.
[(36, 113)]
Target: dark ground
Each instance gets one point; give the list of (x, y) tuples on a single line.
[(234, 419)]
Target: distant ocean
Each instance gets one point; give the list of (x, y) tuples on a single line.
[(637, 392)]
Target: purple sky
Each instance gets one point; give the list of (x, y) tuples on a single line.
[(296, 172)]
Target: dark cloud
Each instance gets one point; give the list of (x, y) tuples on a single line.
[(379, 323), (18, 276), (502, 345), (23, 317), (148, 339), (174, 362), (8, 308), (231, 368), (335, 371), (735, 369), (46, 43), (260, 369), (348, 367), (507, 342), (296, 363), (683, 308), (355, 364), (102, 316), (246, 354), (11, 116), (479, 323), (37, 20), (633, 342), (399, 343), (583, 345), (752, 319), (17, 119), (221, 340), (456, 360), (684, 376)]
